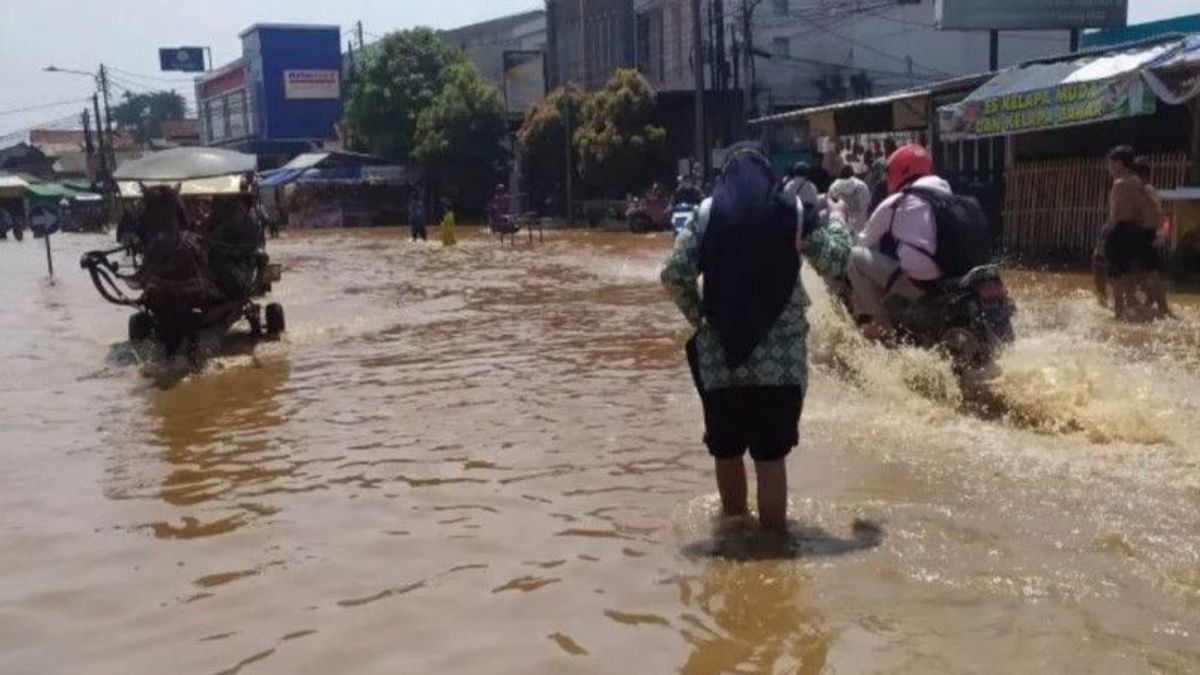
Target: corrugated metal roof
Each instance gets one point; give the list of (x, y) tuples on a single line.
[(1088, 68), (843, 105)]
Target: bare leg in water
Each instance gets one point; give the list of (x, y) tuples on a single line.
[(772, 495), (731, 483), (1156, 293)]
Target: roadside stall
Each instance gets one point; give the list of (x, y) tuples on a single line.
[(337, 189), (1057, 119), (1175, 78), (49, 206), (12, 203)]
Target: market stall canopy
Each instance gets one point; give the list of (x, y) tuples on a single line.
[(12, 186), (43, 192), (181, 164), (902, 110), (332, 159), (200, 187), (1175, 77), (1087, 88)]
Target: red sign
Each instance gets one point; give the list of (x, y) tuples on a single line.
[(225, 82)]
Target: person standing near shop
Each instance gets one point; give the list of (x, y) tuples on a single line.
[(418, 220), (449, 224), (748, 358), (1128, 236)]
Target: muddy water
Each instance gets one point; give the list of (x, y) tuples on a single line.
[(487, 460)]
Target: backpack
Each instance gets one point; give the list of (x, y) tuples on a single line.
[(964, 237)]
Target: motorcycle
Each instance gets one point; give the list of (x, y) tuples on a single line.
[(970, 319), (682, 215)]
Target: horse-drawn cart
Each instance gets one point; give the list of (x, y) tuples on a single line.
[(194, 259)]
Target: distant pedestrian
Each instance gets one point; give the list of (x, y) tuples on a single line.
[(854, 193), (449, 224), (418, 219), (749, 356)]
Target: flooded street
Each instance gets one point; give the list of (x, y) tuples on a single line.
[(488, 460)]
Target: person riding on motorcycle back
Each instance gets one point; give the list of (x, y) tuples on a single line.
[(894, 256)]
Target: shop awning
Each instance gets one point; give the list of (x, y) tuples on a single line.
[(1085, 89), (1175, 77), (12, 186), (280, 177), (49, 191), (822, 110)]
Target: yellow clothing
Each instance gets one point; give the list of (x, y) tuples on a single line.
[(448, 223)]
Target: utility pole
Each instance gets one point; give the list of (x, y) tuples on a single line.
[(583, 56), (85, 120), (748, 55), (570, 169), (358, 31), (722, 68), (112, 154), (698, 71), (1074, 40), (105, 178), (994, 50)]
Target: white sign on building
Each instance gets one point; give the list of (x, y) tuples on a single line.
[(311, 84)]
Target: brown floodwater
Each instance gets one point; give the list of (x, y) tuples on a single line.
[(488, 460)]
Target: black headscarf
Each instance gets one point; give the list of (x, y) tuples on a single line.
[(748, 255)]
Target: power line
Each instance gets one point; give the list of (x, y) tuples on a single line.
[(139, 76), (44, 106)]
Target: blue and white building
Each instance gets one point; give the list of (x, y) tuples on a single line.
[(283, 97)]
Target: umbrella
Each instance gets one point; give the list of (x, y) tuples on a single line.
[(179, 164)]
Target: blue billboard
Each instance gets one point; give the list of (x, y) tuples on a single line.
[(186, 59)]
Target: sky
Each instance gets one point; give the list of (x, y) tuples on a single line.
[(126, 35)]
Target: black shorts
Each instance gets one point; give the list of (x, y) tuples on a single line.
[(1130, 248), (763, 420)]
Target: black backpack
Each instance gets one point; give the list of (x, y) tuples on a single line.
[(964, 237)]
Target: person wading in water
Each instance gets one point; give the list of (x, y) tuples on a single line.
[(749, 356), (1129, 235)]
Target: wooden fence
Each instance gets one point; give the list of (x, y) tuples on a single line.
[(1057, 207)]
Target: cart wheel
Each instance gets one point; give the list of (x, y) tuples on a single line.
[(275, 322), (141, 327)]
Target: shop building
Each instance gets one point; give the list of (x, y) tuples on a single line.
[(283, 97)]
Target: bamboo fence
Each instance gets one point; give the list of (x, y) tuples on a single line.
[(1055, 208)]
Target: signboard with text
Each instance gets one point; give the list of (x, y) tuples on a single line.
[(524, 80), (1059, 106), (185, 59), (1031, 14), (311, 84)]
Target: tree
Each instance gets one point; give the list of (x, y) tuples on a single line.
[(620, 150), (144, 113), (543, 141), (459, 137), (399, 78)]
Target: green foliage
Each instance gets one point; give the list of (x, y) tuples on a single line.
[(145, 113), (459, 137), (398, 78), (543, 141), (620, 149)]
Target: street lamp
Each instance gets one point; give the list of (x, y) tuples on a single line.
[(56, 69)]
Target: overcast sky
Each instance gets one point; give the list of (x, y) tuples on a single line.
[(125, 34)]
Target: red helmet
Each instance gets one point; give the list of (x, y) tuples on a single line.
[(906, 164)]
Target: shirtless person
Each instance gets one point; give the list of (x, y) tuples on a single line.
[(1128, 243)]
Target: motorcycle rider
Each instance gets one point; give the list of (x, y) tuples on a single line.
[(894, 253)]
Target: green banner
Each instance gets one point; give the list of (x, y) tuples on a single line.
[(1059, 106)]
